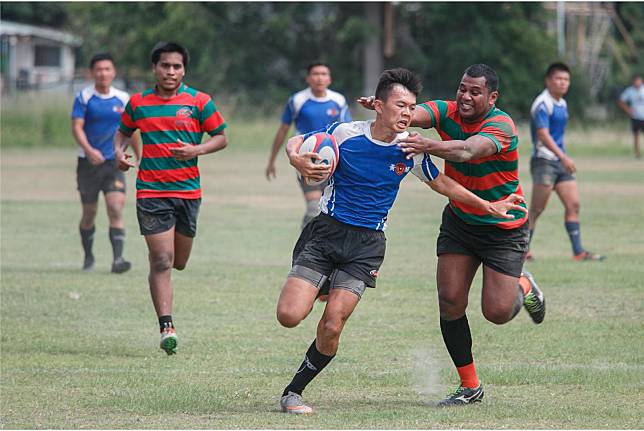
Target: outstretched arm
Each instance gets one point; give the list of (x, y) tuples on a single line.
[(474, 147), (453, 190), (419, 117)]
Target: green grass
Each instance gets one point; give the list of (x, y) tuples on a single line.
[(79, 350)]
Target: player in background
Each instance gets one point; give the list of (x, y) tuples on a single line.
[(172, 118), (551, 168), (479, 144), (95, 118), (345, 244), (311, 109), (632, 102)]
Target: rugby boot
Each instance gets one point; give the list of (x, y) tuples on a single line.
[(462, 396), (588, 255), (293, 403), (534, 301), (120, 265), (169, 341)]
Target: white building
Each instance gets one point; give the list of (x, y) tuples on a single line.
[(35, 57)]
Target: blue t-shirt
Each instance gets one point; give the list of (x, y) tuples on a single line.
[(314, 113), (102, 113), (365, 184), (635, 98), (551, 114)]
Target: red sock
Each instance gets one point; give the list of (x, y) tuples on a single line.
[(525, 284), (468, 376)]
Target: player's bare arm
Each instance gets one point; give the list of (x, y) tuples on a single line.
[(189, 151), (277, 144), (474, 147), (95, 156), (453, 190), (304, 162), (120, 143), (419, 117), (543, 134), (625, 107)]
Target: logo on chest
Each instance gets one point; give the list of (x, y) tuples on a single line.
[(332, 112), (399, 168), (184, 115)]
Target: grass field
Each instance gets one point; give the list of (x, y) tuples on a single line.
[(79, 350)]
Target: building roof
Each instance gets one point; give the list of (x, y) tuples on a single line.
[(17, 29)]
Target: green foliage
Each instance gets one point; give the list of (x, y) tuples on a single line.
[(509, 37), (41, 13)]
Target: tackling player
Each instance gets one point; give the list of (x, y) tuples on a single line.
[(345, 244), (172, 118), (311, 109), (479, 145), (95, 118)]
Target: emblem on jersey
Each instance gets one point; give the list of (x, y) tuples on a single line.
[(118, 109), (185, 112), (399, 168), (332, 112), (374, 273)]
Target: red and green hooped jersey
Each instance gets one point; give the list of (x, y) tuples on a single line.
[(491, 178), (162, 122)]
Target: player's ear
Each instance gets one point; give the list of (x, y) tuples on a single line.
[(377, 105), (494, 96)]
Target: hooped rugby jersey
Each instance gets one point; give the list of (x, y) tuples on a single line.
[(101, 114), (492, 178), (551, 114), (365, 183), (162, 122), (314, 113)]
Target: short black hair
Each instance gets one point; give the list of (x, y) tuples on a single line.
[(400, 76), (100, 57), (310, 67), (491, 78), (165, 47), (636, 75), (557, 67)]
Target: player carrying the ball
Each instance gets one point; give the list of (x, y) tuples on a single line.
[(172, 118), (345, 244), (479, 144)]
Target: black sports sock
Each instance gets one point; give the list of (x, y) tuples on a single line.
[(117, 238), (165, 322), (313, 363), (87, 239), (458, 340)]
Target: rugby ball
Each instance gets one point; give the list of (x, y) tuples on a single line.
[(323, 144)]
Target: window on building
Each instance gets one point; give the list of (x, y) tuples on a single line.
[(47, 55)]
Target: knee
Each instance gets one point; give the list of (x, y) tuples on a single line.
[(161, 262), (573, 207), (496, 315), (114, 212), (332, 328), (451, 305), (287, 317)]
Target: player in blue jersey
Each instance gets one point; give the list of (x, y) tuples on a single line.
[(311, 109), (551, 168), (95, 118), (345, 244), (631, 101)]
